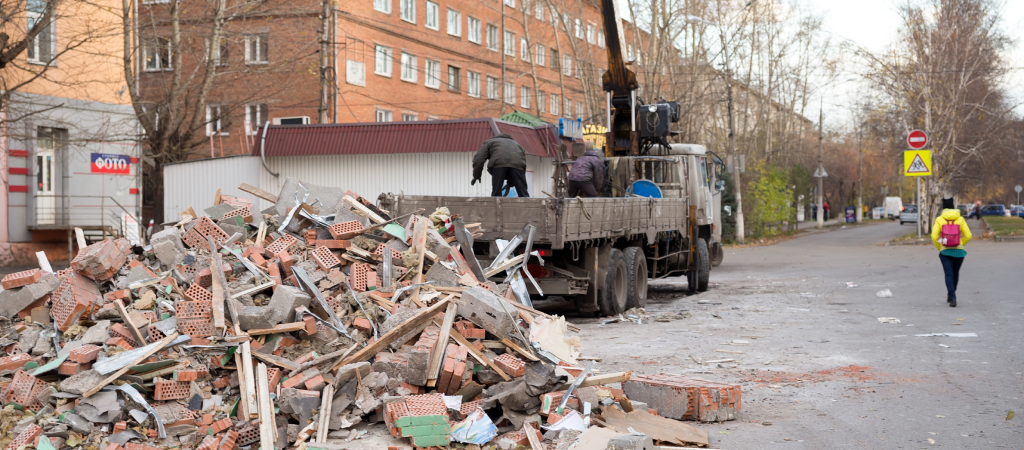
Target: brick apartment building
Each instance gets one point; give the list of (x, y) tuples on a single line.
[(395, 60)]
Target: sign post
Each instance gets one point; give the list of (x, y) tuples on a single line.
[(917, 163), (1018, 189)]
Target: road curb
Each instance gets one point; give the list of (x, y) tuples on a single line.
[(1009, 238)]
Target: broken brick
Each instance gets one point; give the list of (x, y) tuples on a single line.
[(19, 279)]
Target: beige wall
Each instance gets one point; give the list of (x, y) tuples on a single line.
[(89, 48)]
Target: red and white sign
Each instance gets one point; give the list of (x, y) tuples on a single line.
[(110, 163), (917, 139)]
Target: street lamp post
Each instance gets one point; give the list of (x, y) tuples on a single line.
[(860, 176)]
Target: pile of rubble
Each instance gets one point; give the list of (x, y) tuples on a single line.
[(324, 322)]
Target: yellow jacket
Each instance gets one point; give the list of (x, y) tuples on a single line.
[(947, 216)]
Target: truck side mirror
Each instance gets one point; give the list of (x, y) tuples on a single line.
[(728, 210), (719, 185)]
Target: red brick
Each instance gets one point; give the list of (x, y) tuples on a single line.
[(25, 437), (203, 227), (273, 376), (395, 254), (116, 295), (305, 358), (221, 382), (511, 365), (209, 443), (68, 368), (358, 277), (282, 244), (446, 375), (315, 383), (259, 259), (221, 425), (474, 333), (114, 447), (333, 244), (120, 426), (685, 398), (229, 441), (120, 342), (325, 258), (15, 361), (75, 296), (310, 324), (121, 331), (197, 293), (456, 381), (287, 261), (310, 236), (19, 279), (363, 324), (293, 381), (100, 261), (170, 390), (344, 230), (187, 375)]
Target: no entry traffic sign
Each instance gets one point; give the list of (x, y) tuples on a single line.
[(917, 139)]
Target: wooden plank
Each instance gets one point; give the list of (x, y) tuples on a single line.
[(327, 397), (437, 354), (80, 236), (280, 328), (531, 435), (244, 187), (131, 325), (266, 411), (509, 263), (322, 359), (261, 235), (525, 353), (478, 355), (418, 321), (419, 243), (160, 346), (247, 381), (275, 360), (361, 207), (219, 289), (607, 378)]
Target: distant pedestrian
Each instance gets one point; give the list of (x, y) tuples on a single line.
[(977, 210), (950, 233), (827, 211), (587, 174), (507, 165)]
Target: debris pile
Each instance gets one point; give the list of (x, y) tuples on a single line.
[(317, 322)]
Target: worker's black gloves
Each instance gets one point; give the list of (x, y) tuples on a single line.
[(475, 180)]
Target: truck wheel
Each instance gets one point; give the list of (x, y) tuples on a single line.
[(636, 273), (717, 254), (703, 265), (612, 299)]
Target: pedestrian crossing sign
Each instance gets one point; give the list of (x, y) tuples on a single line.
[(917, 163)]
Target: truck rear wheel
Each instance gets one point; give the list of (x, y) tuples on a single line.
[(703, 265), (636, 273), (612, 298)]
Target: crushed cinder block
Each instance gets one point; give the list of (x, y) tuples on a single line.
[(167, 246), (685, 398), (631, 442), (15, 300), (100, 261), (284, 301)]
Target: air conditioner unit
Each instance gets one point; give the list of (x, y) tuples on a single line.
[(297, 120)]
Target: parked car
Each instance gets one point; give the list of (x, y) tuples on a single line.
[(963, 211), (1017, 210), (994, 210), (909, 214)]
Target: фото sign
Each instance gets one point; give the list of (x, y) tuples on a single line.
[(110, 163)]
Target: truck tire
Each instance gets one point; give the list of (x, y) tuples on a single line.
[(612, 298), (703, 265), (717, 254), (636, 273)]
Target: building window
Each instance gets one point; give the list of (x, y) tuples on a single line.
[(355, 73), (383, 115), (566, 65), (256, 48), (579, 29), (600, 39), (510, 93), (383, 6), (629, 53), (406, 117), (492, 37), (432, 73), (524, 50), (41, 49), (510, 44), (524, 96), (578, 70), (554, 60), (454, 78), (382, 61), (510, 3), (539, 57), (568, 108), (157, 54), (474, 29), (408, 10), (216, 118), (492, 88), (408, 67), (539, 13), (454, 22), (590, 33), (579, 110), (255, 116), (473, 84), (220, 54), (540, 101), (554, 104), (433, 11)]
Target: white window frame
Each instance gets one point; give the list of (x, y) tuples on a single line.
[(34, 44), (510, 3), (567, 107), (383, 114), (539, 54), (524, 49), (454, 22), (473, 84), (433, 16), (457, 85), (493, 44), (510, 43), (510, 93), (255, 116), (579, 28), (408, 67), (410, 117), (524, 96), (355, 73), (579, 110), (383, 6), (210, 131), (256, 47), (217, 54), (629, 53), (407, 10), (554, 104), (382, 61), (541, 105), (600, 38), (539, 10), (473, 29), (566, 65), (156, 45), (590, 33), (493, 90), (432, 74)]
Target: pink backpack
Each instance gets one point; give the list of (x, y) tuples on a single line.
[(951, 232)]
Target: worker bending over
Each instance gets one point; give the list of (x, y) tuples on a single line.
[(586, 178), (507, 165)]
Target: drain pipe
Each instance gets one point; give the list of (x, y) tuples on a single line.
[(263, 150)]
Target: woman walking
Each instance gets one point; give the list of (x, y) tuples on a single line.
[(950, 233)]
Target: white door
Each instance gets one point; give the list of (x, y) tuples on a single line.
[(46, 178)]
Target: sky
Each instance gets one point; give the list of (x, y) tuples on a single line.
[(874, 24)]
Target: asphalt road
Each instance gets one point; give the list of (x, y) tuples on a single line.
[(820, 371)]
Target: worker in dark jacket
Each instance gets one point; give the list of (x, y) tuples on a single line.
[(587, 174), (507, 165)]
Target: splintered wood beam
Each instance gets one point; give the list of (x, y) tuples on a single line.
[(437, 354), (419, 321), (258, 192)]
